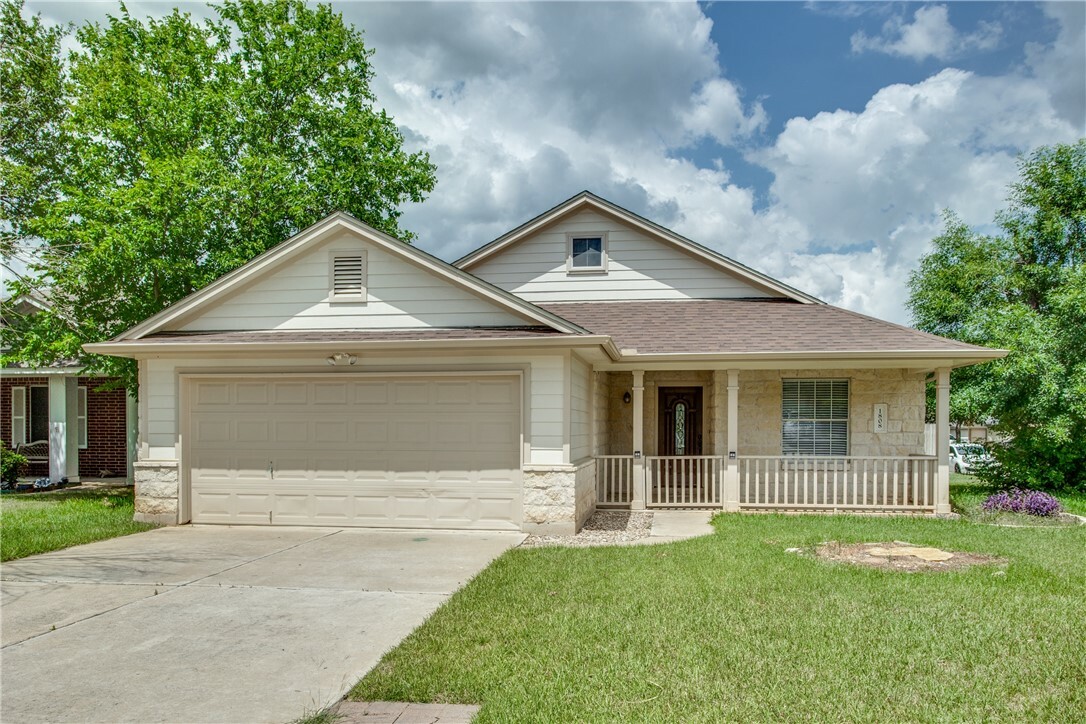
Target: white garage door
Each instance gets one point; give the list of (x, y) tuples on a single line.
[(411, 452)]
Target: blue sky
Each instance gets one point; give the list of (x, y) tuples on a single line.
[(818, 143), (797, 58)]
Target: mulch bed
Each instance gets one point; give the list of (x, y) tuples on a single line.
[(898, 556), (605, 527)]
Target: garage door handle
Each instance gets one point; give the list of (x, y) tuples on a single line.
[(271, 469)]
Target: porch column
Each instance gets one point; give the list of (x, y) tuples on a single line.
[(731, 471), (131, 422), (942, 440), (63, 428), (638, 500)]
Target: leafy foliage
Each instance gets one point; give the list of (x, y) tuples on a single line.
[(188, 148), (12, 465), (1023, 290), (32, 115)]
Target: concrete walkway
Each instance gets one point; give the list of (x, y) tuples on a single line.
[(673, 525), (218, 624)]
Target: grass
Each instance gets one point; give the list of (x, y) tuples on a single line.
[(732, 627), (41, 522)]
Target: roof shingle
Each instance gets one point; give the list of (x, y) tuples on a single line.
[(746, 326)]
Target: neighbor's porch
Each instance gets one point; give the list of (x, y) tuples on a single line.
[(816, 440)]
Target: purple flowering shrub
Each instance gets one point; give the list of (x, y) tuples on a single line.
[(1029, 502)]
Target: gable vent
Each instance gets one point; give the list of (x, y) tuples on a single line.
[(349, 276)]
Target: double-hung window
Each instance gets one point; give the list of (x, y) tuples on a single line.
[(814, 417)]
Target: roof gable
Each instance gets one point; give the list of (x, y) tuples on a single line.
[(288, 287), (687, 262)]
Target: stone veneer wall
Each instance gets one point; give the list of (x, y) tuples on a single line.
[(558, 498), (602, 413), (157, 491), (901, 390), (585, 495), (619, 414)]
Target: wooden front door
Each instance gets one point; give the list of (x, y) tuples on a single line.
[(679, 422)]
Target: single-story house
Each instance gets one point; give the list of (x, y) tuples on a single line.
[(67, 423), (588, 358)]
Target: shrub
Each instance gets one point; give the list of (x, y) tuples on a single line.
[(1028, 502), (12, 464)]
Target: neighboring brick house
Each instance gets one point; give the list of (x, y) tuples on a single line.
[(86, 414)]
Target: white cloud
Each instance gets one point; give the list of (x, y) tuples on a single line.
[(1059, 65), (929, 35), (883, 176)]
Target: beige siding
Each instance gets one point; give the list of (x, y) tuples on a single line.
[(295, 295), (639, 268), (580, 411), (544, 380)]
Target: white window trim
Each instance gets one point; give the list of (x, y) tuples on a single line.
[(847, 420), (602, 268), (357, 297), (81, 417), (18, 415)]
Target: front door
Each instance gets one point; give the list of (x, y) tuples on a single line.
[(679, 421)]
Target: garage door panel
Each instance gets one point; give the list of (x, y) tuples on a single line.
[(252, 431), (418, 452), (290, 431), (371, 432), (290, 393), (331, 393)]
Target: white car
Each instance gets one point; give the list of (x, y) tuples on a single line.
[(965, 457)]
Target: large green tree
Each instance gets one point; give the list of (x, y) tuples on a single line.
[(183, 149), (32, 114), (1024, 290)]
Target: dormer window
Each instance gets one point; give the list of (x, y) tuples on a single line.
[(586, 253), (347, 276)]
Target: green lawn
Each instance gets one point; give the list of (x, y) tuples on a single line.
[(40, 522), (732, 627)]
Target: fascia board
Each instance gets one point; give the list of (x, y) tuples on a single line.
[(920, 359), (136, 349)]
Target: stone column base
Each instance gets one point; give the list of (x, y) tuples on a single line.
[(157, 491), (550, 499)]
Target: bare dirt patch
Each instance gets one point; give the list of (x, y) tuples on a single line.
[(898, 556)]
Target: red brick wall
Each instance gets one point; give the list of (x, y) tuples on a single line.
[(107, 445)]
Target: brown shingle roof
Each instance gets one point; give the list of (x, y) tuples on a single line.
[(746, 326)]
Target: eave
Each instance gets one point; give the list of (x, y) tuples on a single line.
[(140, 349)]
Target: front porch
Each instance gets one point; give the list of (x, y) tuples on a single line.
[(730, 439)]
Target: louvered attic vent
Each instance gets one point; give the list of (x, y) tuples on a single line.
[(349, 277)]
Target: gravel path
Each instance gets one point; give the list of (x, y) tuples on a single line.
[(605, 527)]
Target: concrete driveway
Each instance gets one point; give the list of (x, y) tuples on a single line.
[(218, 624)]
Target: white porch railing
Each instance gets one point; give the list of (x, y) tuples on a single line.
[(683, 481), (837, 483), (614, 480)]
